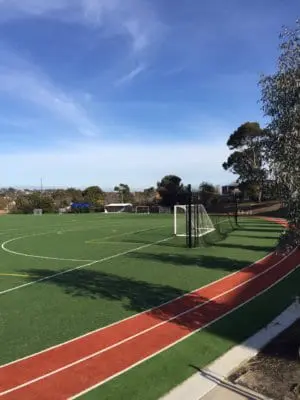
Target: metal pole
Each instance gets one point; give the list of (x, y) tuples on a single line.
[(236, 208), (189, 217)]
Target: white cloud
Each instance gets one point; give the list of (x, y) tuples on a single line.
[(130, 76), (22, 80), (17, 8), (106, 164), (134, 19)]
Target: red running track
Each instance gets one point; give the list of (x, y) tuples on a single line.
[(73, 367)]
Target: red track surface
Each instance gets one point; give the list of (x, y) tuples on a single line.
[(66, 370)]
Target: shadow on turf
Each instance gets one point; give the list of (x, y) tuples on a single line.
[(135, 295), (222, 230), (268, 230), (188, 312), (275, 237), (197, 261), (245, 246), (138, 296)]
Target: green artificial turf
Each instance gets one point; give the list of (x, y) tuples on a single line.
[(157, 376), (136, 271)]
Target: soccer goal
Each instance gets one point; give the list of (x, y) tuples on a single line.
[(198, 223), (37, 211), (142, 210), (118, 208), (164, 210)]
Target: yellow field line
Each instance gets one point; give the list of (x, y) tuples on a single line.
[(18, 275)]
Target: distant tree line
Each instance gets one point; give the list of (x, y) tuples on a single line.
[(170, 190)]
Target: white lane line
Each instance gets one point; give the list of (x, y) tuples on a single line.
[(101, 260), (180, 340), (81, 360), (136, 315)]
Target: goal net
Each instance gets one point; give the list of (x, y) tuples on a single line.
[(37, 211), (164, 210), (142, 210), (201, 223), (118, 208)]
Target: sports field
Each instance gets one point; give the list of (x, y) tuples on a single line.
[(64, 276)]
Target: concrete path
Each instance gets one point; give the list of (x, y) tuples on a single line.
[(232, 392), (210, 383)]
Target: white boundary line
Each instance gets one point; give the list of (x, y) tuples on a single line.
[(134, 315), (4, 248), (182, 339), (101, 260), (147, 330)]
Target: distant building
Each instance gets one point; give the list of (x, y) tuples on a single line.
[(227, 190)]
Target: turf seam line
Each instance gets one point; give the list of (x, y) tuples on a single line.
[(124, 234)]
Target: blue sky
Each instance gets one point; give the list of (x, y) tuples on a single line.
[(109, 91)]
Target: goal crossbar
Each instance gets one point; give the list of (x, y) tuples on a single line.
[(201, 223), (142, 210)]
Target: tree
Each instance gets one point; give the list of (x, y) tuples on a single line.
[(171, 190), (149, 195), (26, 204), (61, 198), (124, 193), (208, 193), (74, 195), (93, 195), (247, 158), (281, 103), (3, 202), (146, 197)]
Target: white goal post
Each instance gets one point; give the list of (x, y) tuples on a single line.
[(142, 210), (200, 220), (37, 211), (117, 208)]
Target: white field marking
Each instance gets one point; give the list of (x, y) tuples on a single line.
[(4, 248), (115, 242), (124, 234), (81, 360), (45, 278), (101, 260), (17, 275), (6, 231), (132, 316), (182, 339)]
